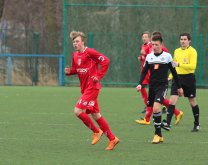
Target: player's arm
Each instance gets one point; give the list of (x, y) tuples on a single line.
[(171, 66), (70, 70), (143, 74), (102, 60)]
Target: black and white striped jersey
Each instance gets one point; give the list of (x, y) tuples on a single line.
[(159, 65)]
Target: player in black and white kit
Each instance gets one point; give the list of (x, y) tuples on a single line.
[(159, 63)]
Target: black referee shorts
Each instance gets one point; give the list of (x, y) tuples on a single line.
[(188, 83)]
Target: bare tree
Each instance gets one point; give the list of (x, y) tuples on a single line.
[(1, 8)]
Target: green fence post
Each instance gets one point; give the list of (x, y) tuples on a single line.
[(65, 36), (9, 70), (61, 70), (200, 60), (90, 40), (194, 23), (36, 41)]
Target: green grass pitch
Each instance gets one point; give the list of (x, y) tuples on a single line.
[(38, 127)]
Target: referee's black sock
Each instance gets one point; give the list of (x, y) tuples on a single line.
[(157, 123), (195, 111), (170, 113)]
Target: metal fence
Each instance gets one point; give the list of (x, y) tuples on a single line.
[(26, 58), (114, 28)]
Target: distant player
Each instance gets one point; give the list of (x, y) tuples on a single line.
[(90, 66), (145, 50), (148, 114), (159, 63)]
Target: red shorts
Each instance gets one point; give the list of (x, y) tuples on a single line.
[(88, 101)]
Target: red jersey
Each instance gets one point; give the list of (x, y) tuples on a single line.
[(86, 64), (146, 49)]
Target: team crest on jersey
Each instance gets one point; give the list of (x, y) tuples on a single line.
[(101, 58), (162, 59), (79, 61)]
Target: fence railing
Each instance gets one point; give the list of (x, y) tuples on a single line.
[(10, 64)]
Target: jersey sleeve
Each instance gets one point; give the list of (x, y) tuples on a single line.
[(102, 60), (174, 73), (73, 67)]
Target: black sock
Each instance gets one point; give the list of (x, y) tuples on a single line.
[(195, 111), (157, 123), (170, 113)]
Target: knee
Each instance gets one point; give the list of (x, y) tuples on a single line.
[(173, 100), (192, 102), (96, 116), (77, 111)]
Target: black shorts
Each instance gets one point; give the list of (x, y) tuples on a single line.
[(157, 95), (188, 83)]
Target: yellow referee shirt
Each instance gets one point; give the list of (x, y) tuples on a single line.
[(187, 59)]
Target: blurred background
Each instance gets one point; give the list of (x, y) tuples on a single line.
[(35, 44)]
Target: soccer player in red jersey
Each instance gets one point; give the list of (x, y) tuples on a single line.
[(146, 48), (90, 66), (178, 113)]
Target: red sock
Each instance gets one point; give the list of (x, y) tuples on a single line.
[(88, 122), (144, 95), (148, 113), (105, 128), (166, 104), (176, 112)]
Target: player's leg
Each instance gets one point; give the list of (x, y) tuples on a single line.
[(189, 89), (178, 114), (157, 117), (82, 115), (172, 102), (144, 91), (195, 110), (148, 114), (85, 106), (104, 126), (157, 114)]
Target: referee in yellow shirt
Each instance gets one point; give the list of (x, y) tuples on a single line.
[(185, 59)]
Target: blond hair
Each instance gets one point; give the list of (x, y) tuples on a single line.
[(75, 34)]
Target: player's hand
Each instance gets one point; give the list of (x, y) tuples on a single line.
[(143, 52), (95, 79), (139, 58), (169, 79), (180, 92), (67, 70), (138, 88), (176, 63)]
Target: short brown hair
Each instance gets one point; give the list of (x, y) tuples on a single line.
[(156, 33), (188, 35), (157, 38), (75, 34), (146, 32)]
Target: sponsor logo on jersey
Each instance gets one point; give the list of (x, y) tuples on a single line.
[(84, 103), (82, 70), (91, 103)]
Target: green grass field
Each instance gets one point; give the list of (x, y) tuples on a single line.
[(38, 127)]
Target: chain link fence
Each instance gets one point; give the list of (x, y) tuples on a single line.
[(114, 28)]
